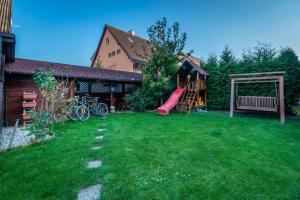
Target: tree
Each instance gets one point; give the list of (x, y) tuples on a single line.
[(212, 61), (288, 61), (263, 52), (227, 57), (261, 58), (167, 45)]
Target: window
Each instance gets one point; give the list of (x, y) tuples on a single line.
[(81, 87), (137, 67), (130, 39), (118, 51), (109, 55), (107, 41), (113, 53)]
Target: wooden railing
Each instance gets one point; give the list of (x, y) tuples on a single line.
[(259, 103)]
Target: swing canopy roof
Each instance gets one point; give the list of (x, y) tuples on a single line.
[(261, 77)]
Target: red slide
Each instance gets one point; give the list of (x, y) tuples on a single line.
[(171, 103)]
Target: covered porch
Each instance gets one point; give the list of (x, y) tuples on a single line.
[(110, 86), (112, 93)]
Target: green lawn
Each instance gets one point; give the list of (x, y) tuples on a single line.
[(147, 156)]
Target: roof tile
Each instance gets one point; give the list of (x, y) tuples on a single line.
[(28, 67)]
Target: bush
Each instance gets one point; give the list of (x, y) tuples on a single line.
[(53, 92), (41, 124), (296, 111), (136, 101)]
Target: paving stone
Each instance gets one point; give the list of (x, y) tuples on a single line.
[(100, 137), (94, 164), (90, 193)]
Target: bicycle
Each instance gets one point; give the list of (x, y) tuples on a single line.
[(83, 111), (95, 107)]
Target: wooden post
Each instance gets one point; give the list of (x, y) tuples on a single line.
[(197, 86), (72, 88), (188, 82), (123, 89), (90, 88), (111, 96), (281, 99), (178, 80), (232, 98)]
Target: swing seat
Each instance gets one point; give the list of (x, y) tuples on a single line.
[(257, 103)]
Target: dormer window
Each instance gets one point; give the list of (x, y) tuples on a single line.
[(118, 51), (130, 39), (107, 41)]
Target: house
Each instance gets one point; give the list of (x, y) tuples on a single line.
[(125, 51), (16, 76), (121, 50)]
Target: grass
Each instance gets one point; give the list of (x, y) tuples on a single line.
[(146, 156)]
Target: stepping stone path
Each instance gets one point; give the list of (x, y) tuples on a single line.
[(101, 129), (100, 137), (96, 147), (94, 164), (90, 193)]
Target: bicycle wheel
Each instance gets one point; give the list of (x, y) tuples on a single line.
[(58, 117), (102, 109), (83, 112), (73, 113)]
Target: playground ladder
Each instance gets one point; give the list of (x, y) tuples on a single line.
[(188, 101)]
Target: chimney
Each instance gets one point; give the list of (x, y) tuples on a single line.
[(131, 32)]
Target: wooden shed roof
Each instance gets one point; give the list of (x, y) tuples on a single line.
[(28, 67), (5, 16)]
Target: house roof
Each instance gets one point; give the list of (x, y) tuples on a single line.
[(138, 49), (5, 16), (28, 67)]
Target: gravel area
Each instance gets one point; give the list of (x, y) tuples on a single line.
[(21, 137), (90, 193)]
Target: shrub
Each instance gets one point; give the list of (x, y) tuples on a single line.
[(41, 124), (53, 93), (296, 111), (136, 101)]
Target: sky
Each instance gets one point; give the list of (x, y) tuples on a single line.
[(68, 31)]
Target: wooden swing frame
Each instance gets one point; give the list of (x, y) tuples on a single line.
[(258, 103)]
